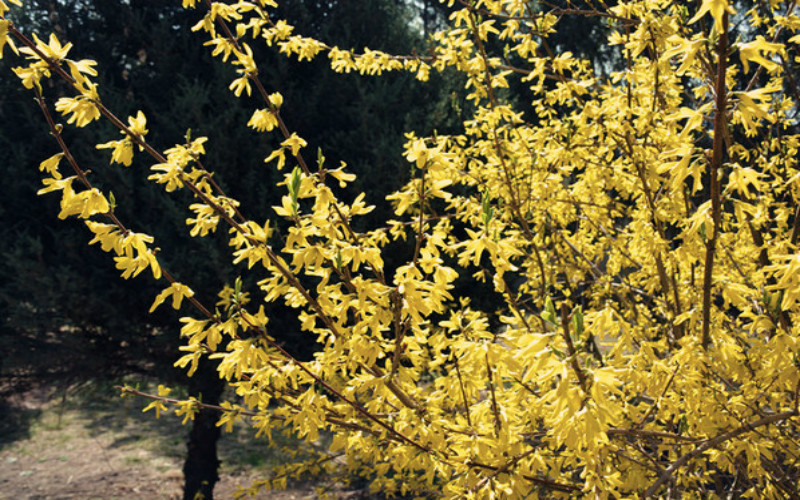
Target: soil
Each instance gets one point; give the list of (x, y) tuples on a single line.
[(98, 447)]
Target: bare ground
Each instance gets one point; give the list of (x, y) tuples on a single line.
[(95, 446)]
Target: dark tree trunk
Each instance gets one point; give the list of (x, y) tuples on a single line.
[(201, 466)]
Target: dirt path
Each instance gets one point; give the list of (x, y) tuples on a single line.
[(99, 448)]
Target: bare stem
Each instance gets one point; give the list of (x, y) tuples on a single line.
[(498, 425), (463, 392), (716, 164)]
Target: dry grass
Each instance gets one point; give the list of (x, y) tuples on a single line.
[(92, 445)]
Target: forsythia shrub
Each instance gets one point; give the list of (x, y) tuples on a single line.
[(639, 223)]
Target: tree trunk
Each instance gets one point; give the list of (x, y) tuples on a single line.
[(201, 466)]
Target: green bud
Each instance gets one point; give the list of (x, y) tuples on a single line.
[(577, 320)]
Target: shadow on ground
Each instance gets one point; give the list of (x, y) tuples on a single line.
[(94, 444), (15, 421)]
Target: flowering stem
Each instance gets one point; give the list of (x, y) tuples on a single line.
[(716, 164)]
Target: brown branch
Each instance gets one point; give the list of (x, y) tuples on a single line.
[(666, 283), (199, 404), (716, 163), (573, 356), (493, 103), (175, 402), (353, 404), (420, 233), (764, 262), (502, 469), (656, 403), (644, 433), (396, 304), (463, 392), (273, 258), (55, 131), (539, 481), (666, 475), (284, 129), (495, 410)]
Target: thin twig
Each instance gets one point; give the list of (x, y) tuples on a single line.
[(463, 392), (655, 403)]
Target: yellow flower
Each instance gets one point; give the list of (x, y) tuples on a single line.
[(80, 68), (123, 151), (138, 124), (294, 142), (82, 109), (53, 49), (716, 8), (177, 291), (50, 165), (263, 120), (4, 39), (4, 5)]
